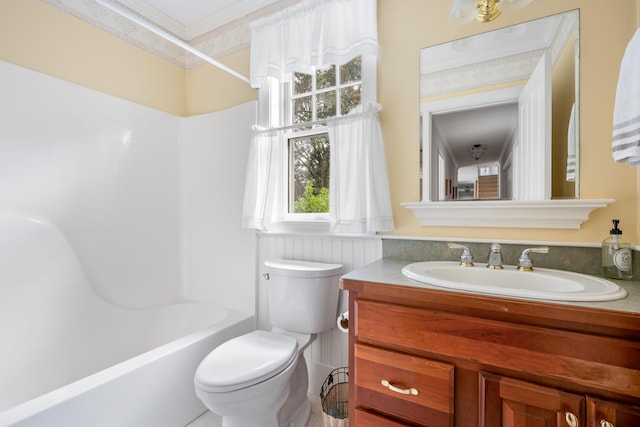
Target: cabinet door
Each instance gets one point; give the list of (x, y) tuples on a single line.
[(602, 413), (507, 402)]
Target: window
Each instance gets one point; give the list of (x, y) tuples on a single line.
[(306, 101), (309, 173)]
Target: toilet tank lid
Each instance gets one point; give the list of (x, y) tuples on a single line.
[(298, 268)]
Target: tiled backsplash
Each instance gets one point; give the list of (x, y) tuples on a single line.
[(571, 258)]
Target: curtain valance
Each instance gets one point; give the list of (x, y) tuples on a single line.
[(313, 34)]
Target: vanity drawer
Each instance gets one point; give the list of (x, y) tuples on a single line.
[(368, 419), (403, 386)]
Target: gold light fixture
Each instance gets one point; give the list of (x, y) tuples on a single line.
[(482, 10), (488, 10)]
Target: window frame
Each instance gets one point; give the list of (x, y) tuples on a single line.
[(287, 215), (274, 111)]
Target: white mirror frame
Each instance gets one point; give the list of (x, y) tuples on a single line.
[(554, 213)]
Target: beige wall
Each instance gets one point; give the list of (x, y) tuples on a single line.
[(38, 36), (210, 89)]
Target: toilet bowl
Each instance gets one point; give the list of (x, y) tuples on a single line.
[(246, 379), (261, 378)]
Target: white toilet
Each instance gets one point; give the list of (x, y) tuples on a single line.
[(260, 379)]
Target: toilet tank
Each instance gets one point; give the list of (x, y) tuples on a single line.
[(302, 295)]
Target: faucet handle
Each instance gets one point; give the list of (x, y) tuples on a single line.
[(466, 259), (525, 263), (495, 257)]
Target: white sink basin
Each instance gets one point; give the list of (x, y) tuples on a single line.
[(542, 283)]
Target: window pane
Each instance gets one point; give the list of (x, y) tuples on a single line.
[(326, 105), (351, 71), (349, 98), (302, 111), (326, 78), (301, 83), (309, 177)]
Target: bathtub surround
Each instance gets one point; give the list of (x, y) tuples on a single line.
[(145, 203), (137, 192), (71, 358)]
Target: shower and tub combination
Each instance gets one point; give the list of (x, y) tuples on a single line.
[(71, 358), (116, 273)]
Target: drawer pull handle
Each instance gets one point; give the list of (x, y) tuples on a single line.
[(605, 423), (411, 391), (572, 420)]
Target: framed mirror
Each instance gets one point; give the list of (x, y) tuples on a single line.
[(499, 114)]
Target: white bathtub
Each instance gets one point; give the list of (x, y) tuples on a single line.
[(68, 358)]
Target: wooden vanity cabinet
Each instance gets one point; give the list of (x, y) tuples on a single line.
[(425, 357)]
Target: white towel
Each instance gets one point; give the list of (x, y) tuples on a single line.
[(571, 146), (626, 112)]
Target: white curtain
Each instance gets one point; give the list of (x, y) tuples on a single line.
[(359, 189), (262, 179), (359, 201), (315, 33)]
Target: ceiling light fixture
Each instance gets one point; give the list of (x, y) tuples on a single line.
[(482, 10), (477, 150)]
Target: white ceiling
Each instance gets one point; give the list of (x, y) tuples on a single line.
[(188, 12), (492, 126)]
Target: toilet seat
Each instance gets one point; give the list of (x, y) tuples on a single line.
[(245, 361)]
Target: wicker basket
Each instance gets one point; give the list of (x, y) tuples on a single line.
[(334, 396)]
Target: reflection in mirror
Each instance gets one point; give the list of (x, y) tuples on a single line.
[(499, 113)]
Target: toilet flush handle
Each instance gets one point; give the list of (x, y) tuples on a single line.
[(266, 276)]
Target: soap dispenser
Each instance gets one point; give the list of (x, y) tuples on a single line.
[(616, 255)]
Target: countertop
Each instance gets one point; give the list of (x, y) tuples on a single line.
[(389, 271)]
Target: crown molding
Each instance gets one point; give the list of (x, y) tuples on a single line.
[(216, 36)]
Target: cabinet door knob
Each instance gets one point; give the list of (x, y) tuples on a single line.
[(572, 420), (410, 391), (605, 423)]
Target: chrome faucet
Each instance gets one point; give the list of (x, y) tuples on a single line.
[(495, 257), (466, 259), (525, 263)]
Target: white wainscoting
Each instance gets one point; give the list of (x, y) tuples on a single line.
[(331, 349)]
